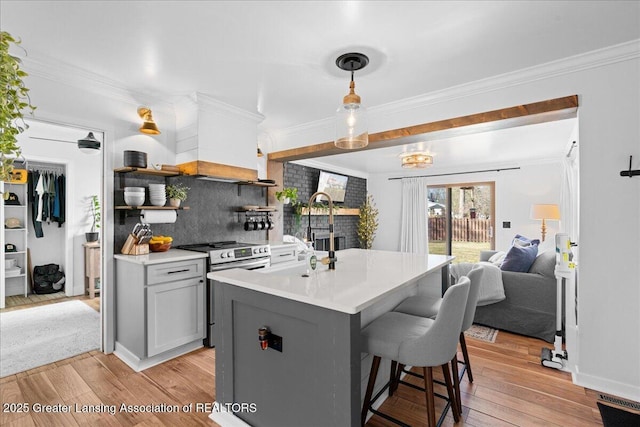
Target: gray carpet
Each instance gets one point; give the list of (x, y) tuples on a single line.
[(40, 335)]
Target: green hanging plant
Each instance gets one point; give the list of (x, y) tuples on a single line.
[(14, 100), (367, 223)]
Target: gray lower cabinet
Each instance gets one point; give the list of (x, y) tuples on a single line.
[(160, 310)]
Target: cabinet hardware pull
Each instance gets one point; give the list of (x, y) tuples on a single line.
[(178, 271)]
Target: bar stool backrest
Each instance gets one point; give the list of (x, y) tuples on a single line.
[(439, 343), (474, 276)]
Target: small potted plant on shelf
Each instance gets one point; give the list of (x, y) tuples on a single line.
[(287, 195), (93, 235), (177, 193)]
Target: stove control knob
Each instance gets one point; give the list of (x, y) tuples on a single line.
[(255, 251), (229, 254), (260, 250), (223, 255)]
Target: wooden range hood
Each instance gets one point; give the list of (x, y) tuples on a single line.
[(218, 171)]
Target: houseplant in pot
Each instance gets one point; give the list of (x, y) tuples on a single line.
[(15, 99), (287, 195), (93, 235), (367, 223), (177, 193)]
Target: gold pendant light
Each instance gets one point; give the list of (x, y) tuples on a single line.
[(351, 117)]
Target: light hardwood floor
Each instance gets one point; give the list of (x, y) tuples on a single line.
[(510, 388), (20, 302)]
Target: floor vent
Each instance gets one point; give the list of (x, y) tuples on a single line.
[(620, 402)]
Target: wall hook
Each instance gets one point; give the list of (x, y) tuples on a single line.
[(630, 173)]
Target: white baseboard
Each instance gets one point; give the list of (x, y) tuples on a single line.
[(607, 386), (226, 419), (138, 364)]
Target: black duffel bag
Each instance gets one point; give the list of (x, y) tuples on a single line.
[(47, 279)]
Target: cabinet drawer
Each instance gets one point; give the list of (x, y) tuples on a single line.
[(172, 271)]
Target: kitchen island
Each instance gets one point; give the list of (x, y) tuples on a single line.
[(312, 372)]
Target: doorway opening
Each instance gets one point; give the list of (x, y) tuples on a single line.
[(51, 310), (462, 220)]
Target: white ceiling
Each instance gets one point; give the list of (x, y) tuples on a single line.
[(278, 58)]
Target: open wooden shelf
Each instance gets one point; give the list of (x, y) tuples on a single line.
[(257, 183), (341, 211), (129, 169), (152, 208)]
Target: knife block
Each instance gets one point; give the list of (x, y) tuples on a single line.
[(131, 247)]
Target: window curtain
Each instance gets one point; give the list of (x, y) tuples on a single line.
[(570, 196), (414, 236)]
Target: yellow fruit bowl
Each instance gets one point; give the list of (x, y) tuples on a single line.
[(159, 246)]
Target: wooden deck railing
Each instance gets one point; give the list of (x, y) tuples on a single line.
[(462, 229)]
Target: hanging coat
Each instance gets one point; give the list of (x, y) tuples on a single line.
[(34, 199)]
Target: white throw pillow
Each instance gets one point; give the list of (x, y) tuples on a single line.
[(497, 258)]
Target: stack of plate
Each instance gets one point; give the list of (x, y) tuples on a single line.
[(134, 196), (157, 194)]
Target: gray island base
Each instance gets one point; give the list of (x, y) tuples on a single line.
[(312, 373)]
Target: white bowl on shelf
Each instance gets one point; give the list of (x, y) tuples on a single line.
[(134, 199), (158, 202), (134, 189)]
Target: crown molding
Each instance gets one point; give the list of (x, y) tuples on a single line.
[(594, 59), (71, 75), (208, 103)]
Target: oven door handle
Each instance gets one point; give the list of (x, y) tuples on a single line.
[(240, 264)]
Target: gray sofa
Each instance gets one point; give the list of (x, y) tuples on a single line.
[(530, 304)]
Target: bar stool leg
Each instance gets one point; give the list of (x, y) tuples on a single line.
[(465, 354), (456, 382), (396, 379), (392, 378), (375, 364), (428, 390), (452, 397)]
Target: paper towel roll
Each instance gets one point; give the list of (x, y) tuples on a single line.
[(158, 216)]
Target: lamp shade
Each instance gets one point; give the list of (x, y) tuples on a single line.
[(148, 126), (89, 144), (351, 126), (545, 212)]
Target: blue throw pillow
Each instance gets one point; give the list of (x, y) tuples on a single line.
[(519, 240), (520, 258)]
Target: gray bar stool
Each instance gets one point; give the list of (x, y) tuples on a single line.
[(419, 342), (429, 307)]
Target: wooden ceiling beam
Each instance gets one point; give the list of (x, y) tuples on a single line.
[(537, 112)]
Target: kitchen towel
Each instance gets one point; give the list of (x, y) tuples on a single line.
[(158, 217)]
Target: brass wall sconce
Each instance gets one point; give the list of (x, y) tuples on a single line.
[(148, 126)]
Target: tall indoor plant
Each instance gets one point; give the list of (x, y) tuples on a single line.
[(14, 101), (93, 235), (367, 223)]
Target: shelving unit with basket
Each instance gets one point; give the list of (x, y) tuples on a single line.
[(15, 239)]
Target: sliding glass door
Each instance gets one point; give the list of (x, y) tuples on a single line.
[(461, 220)]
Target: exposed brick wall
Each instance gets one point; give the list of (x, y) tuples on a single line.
[(305, 179)]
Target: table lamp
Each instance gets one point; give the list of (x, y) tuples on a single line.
[(545, 212)]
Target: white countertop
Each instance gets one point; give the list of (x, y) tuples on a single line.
[(361, 278), (161, 257)]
